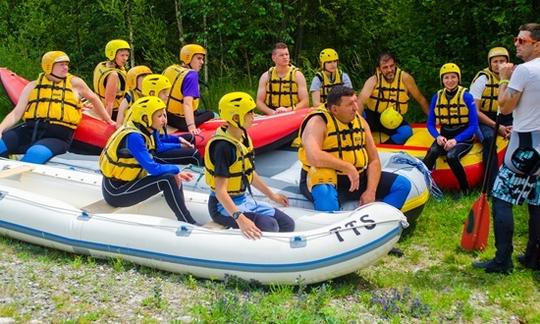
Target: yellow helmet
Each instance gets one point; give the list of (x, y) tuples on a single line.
[(497, 51), (390, 118), (114, 46), (328, 55), (450, 68), (155, 83), (136, 72), (146, 106), (49, 58), (187, 52), (236, 103)]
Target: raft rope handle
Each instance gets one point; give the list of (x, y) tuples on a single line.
[(405, 158), (196, 229), (196, 169)]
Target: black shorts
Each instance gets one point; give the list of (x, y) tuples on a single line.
[(56, 138)]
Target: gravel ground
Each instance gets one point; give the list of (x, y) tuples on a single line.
[(35, 287)]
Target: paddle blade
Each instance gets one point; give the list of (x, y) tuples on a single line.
[(476, 226)]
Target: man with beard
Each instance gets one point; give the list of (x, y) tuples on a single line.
[(386, 96)]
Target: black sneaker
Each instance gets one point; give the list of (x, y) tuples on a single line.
[(491, 266), (396, 252), (522, 259), (456, 196)]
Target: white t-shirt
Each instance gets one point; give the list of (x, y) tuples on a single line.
[(526, 79), (478, 86)]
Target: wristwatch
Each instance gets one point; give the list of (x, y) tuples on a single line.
[(236, 214)]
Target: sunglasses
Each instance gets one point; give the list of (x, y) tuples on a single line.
[(522, 41)]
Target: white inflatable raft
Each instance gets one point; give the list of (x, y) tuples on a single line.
[(281, 171), (63, 209)]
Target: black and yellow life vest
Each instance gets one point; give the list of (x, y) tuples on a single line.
[(328, 84), (281, 92), (176, 75), (116, 162), (347, 142), (489, 102), (454, 112), (240, 172), (387, 94), (54, 102), (134, 94), (101, 72)]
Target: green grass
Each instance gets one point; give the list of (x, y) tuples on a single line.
[(434, 281)]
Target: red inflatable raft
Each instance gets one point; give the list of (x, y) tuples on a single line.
[(267, 132)]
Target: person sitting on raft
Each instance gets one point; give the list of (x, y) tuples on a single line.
[(339, 159), (183, 110), (230, 171), (172, 149), (51, 109), (453, 108), (110, 78), (130, 172), (135, 76), (385, 95), (328, 77)]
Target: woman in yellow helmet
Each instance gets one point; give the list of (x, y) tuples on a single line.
[(328, 77), (172, 149), (229, 171), (485, 90), (454, 110), (110, 78), (51, 110), (135, 76), (130, 172)]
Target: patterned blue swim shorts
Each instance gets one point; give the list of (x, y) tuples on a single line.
[(516, 188)]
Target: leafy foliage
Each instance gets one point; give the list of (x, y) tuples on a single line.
[(239, 34)]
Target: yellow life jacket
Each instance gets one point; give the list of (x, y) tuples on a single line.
[(176, 75), (240, 172), (281, 92), (134, 94), (328, 84), (54, 102), (387, 94), (115, 161), (101, 72), (489, 102), (345, 141), (454, 112)]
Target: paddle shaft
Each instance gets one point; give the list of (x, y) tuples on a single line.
[(492, 146)]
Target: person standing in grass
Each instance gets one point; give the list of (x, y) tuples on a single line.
[(183, 110), (110, 78), (230, 171), (339, 159), (386, 96), (518, 179), (454, 110), (328, 77), (51, 110), (283, 87), (485, 89)]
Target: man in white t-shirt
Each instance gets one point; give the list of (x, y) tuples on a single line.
[(485, 91), (518, 179)]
